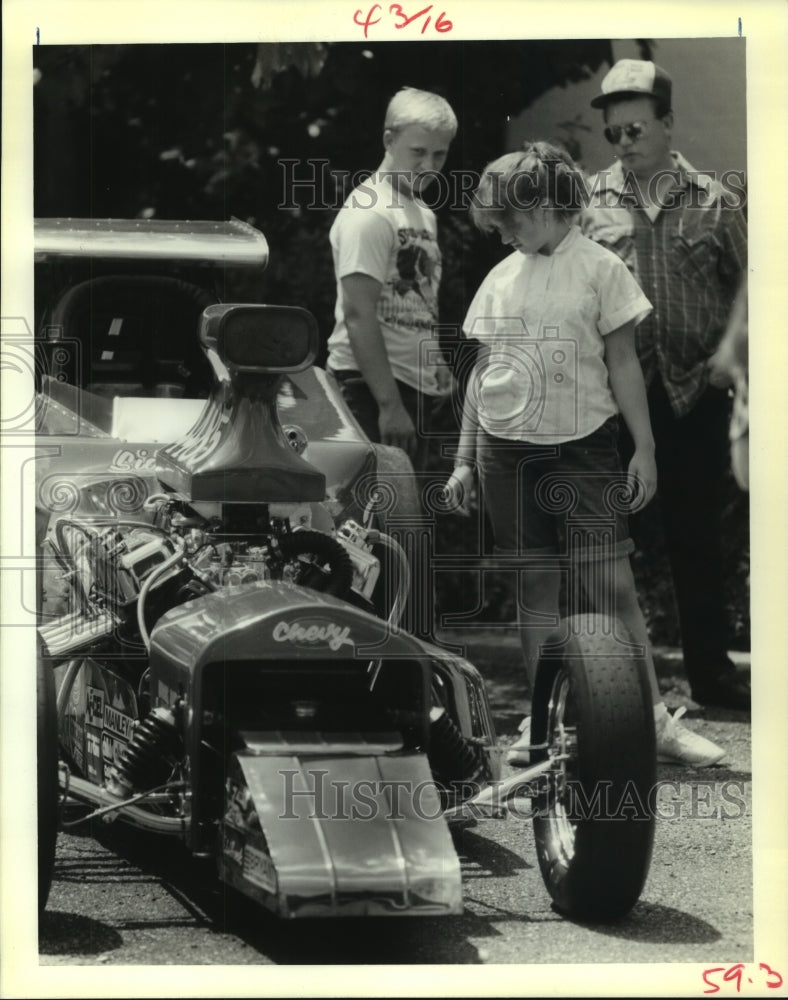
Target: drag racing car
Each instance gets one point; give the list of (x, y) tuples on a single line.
[(221, 657)]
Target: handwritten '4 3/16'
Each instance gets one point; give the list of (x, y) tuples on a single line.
[(442, 24)]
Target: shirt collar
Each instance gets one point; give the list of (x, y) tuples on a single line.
[(571, 237), (612, 179), (568, 240)]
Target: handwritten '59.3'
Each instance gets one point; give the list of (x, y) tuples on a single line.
[(401, 19), (764, 976)]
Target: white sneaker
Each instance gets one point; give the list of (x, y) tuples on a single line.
[(519, 754), (678, 745)]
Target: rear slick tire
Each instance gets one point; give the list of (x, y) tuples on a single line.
[(594, 817)]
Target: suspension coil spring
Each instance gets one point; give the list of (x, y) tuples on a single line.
[(146, 760), (451, 755)]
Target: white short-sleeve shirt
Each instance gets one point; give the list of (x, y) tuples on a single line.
[(544, 319)]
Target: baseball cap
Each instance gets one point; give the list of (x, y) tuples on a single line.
[(631, 77)]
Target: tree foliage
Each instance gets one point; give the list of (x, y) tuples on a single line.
[(205, 131)]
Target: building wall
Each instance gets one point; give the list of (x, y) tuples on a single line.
[(709, 103)]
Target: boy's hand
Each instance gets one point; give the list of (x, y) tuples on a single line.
[(642, 473), (396, 428), (457, 490)]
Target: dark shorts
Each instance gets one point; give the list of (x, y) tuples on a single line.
[(364, 407), (569, 500)]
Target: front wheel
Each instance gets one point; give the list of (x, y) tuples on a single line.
[(47, 784), (593, 816)]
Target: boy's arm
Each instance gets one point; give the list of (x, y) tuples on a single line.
[(629, 391), (360, 294)]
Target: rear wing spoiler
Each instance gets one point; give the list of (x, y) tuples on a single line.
[(234, 243)]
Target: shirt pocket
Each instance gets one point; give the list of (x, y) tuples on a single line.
[(694, 258)]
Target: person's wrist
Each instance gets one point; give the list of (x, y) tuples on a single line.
[(646, 446), (463, 463), (390, 403)]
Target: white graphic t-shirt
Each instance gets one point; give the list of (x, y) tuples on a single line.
[(392, 238)]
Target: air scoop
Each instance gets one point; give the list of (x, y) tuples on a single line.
[(237, 452)]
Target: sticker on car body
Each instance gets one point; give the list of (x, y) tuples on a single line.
[(76, 743), (233, 846), (110, 748), (93, 749), (259, 868), (94, 706), (117, 722)]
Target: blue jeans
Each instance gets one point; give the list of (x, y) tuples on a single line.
[(567, 500)]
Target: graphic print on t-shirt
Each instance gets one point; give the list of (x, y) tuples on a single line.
[(411, 302)]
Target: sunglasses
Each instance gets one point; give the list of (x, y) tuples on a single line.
[(633, 131)]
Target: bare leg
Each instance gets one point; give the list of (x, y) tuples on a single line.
[(615, 594), (537, 613)]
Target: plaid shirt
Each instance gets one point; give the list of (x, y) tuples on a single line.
[(688, 258)]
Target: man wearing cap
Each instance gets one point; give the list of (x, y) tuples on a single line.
[(684, 237)]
